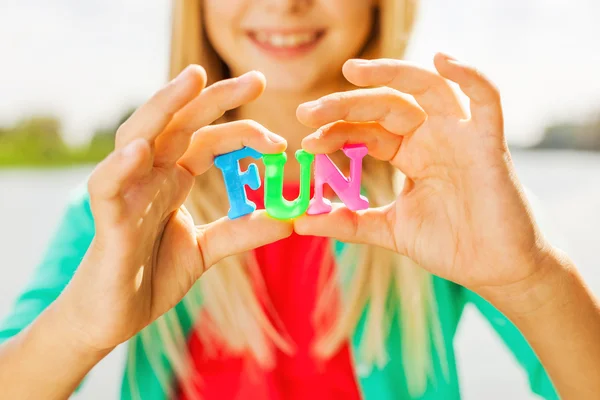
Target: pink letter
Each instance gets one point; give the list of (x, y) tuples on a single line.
[(347, 189)]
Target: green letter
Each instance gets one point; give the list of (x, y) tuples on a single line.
[(275, 204)]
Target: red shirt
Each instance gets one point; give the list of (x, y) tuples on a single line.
[(291, 271)]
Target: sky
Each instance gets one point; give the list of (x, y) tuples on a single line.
[(89, 61)]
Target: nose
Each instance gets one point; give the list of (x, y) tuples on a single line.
[(290, 6)]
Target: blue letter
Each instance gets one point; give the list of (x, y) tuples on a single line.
[(235, 180)]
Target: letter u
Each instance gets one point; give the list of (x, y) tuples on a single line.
[(275, 204)]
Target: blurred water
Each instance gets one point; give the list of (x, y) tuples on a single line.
[(567, 185)]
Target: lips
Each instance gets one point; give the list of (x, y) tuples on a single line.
[(281, 43)]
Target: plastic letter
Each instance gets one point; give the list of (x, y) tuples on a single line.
[(275, 204), (235, 180), (347, 189)]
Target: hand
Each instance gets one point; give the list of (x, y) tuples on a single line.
[(147, 252), (462, 214)]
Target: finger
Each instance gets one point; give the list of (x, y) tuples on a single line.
[(226, 237), (483, 95), (366, 226), (388, 107), (430, 90), (380, 143), (209, 106), (150, 119), (111, 176), (212, 140)]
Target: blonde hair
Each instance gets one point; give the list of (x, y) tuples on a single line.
[(381, 281)]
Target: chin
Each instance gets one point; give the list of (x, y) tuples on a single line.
[(288, 85), (294, 80)]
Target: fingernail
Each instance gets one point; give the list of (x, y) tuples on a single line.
[(249, 77), (447, 56), (360, 61), (456, 63), (275, 138), (183, 75), (311, 104)]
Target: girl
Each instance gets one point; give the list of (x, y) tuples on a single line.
[(284, 315)]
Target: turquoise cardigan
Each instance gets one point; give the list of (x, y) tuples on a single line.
[(77, 230)]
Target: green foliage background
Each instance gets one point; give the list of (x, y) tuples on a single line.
[(37, 142)]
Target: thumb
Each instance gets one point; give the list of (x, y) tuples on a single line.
[(371, 226), (226, 237)]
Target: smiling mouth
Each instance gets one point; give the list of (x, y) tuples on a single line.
[(286, 44)]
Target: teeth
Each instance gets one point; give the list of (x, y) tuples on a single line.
[(278, 40), (285, 40)]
